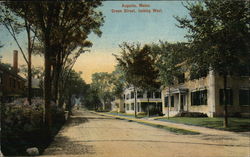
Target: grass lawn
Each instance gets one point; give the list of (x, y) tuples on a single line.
[(171, 129), (235, 124)]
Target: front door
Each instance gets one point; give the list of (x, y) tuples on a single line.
[(183, 102)]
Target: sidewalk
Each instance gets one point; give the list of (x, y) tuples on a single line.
[(202, 130)]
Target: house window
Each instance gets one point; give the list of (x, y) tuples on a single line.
[(127, 106), (172, 101), (127, 96), (229, 96), (132, 95), (157, 94), (244, 97), (199, 98), (139, 94), (166, 101), (149, 94), (14, 83), (132, 106), (10, 81)]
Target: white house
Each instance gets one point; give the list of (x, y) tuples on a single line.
[(146, 101), (205, 95)]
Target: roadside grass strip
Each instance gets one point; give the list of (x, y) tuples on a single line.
[(171, 129), (167, 128), (235, 124)]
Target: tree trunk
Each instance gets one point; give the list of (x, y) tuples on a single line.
[(148, 106), (29, 78), (135, 96), (57, 70), (224, 101), (47, 87), (29, 97), (169, 101)]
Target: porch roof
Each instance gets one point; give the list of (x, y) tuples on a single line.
[(177, 90)]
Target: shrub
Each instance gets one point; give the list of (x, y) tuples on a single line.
[(22, 127), (191, 114)]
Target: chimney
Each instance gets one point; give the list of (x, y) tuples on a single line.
[(15, 60)]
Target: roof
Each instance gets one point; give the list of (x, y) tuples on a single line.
[(10, 72)]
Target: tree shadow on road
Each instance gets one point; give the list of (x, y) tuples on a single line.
[(62, 145), (75, 121)]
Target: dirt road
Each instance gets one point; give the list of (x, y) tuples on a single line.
[(91, 135)]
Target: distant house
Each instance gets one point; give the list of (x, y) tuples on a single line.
[(154, 106), (36, 90), (12, 85), (117, 105), (205, 94)]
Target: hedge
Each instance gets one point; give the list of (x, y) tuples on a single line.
[(22, 127)]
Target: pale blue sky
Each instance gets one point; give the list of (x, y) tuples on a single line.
[(118, 28), (141, 27)]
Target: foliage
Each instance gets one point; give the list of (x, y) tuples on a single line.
[(105, 87), (218, 33), (6, 66), (75, 84), (37, 72), (102, 84), (22, 123), (118, 81), (169, 59), (62, 27), (138, 66), (15, 20)]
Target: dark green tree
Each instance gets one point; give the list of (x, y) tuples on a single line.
[(102, 83), (52, 20), (75, 86), (138, 66), (219, 37), (168, 58), (118, 82)]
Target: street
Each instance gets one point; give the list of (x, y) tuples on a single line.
[(91, 135)]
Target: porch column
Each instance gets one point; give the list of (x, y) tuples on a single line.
[(179, 106), (211, 97)]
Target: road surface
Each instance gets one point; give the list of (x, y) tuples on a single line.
[(90, 135)]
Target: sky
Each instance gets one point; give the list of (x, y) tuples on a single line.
[(142, 27)]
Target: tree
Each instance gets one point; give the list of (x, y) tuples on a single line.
[(91, 99), (169, 56), (118, 82), (218, 33), (77, 19), (102, 84), (75, 86), (36, 72), (15, 21), (138, 66)]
